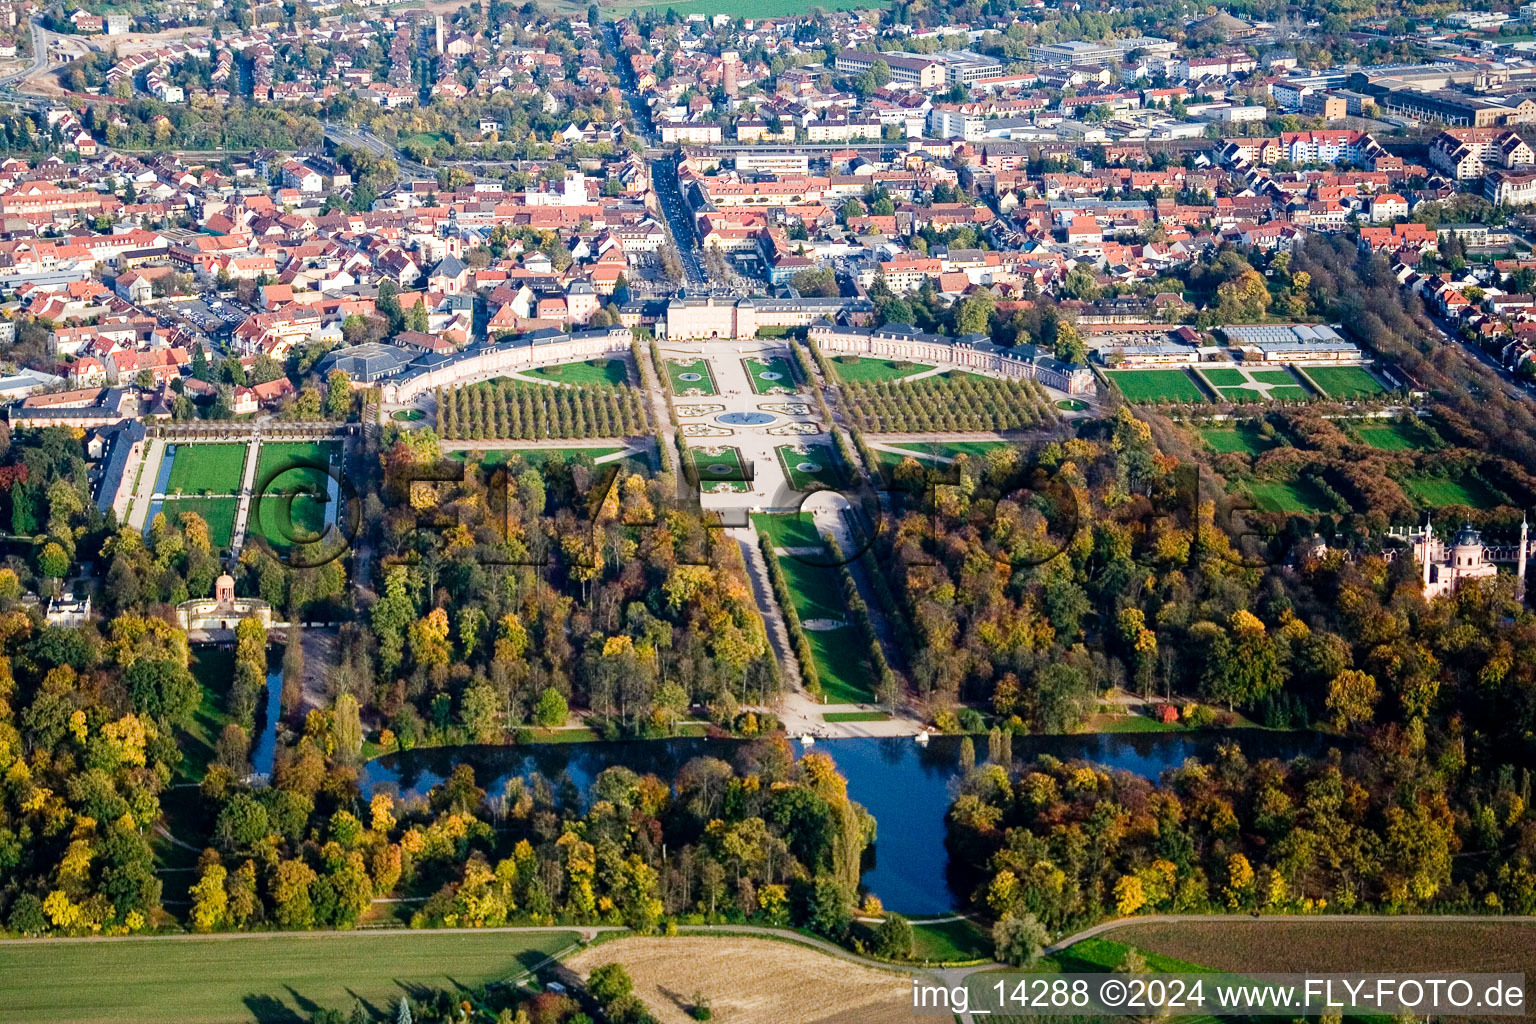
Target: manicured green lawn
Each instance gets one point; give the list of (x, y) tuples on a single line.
[(1298, 495), (1345, 381), (261, 977), (720, 471), (950, 449), (218, 513), (1289, 393), (856, 716), (1395, 437), (1072, 404), (769, 376), (593, 371), (1224, 376), (1156, 385), (788, 530), (408, 415), (206, 469), (952, 940), (1273, 376), (214, 668), (1438, 491), (864, 368), (691, 378), (1245, 437), (287, 455), (806, 471), (284, 523), (817, 589), (839, 654)]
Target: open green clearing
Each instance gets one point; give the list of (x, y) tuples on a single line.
[(214, 669), (812, 470), (1395, 437), (231, 979), (1439, 491), (856, 716), (1247, 438), (206, 469), (691, 378), (788, 529), (863, 368), (1299, 495), (593, 371), (770, 376), (722, 472), (218, 513), (1156, 385), (408, 415), (1345, 381)]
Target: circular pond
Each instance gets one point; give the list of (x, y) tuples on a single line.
[(720, 468), (690, 377), (746, 419), (809, 467)]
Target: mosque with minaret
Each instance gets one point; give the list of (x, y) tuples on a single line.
[(1444, 567)]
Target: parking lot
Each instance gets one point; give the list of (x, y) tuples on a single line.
[(202, 314)]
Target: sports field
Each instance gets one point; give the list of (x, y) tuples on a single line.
[(1298, 496), (864, 368), (811, 470), (1345, 381), (1395, 437), (691, 378), (593, 371), (770, 376), (720, 469), (238, 979), (1440, 491), (218, 513), (206, 469), (1156, 385), (1244, 437)]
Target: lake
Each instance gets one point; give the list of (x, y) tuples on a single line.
[(905, 785)]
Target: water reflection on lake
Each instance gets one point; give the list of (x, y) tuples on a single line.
[(905, 785)]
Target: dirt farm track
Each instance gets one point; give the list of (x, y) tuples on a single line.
[(752, 981)]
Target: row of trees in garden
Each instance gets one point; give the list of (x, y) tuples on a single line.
[(947, 402), (522, 411)]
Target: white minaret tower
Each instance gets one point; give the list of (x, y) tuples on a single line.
[(1429, 536), (1525, 531)]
